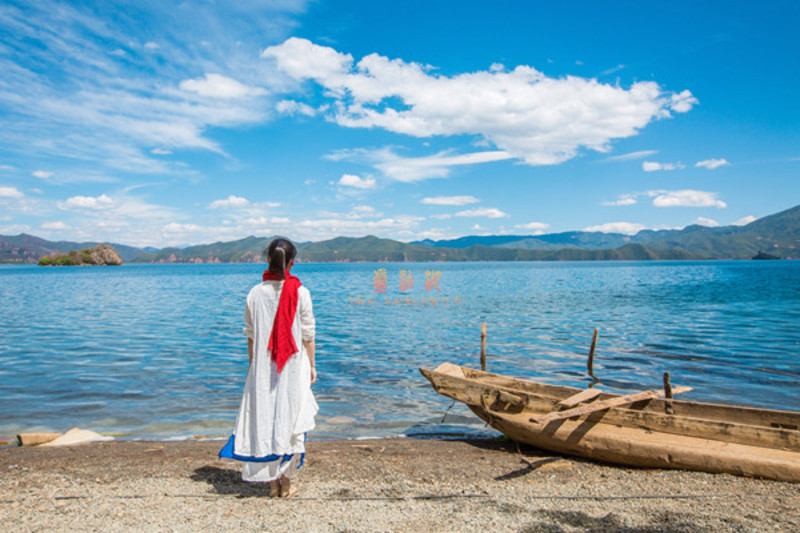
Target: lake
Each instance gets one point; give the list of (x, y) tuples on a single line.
[(157, 351)]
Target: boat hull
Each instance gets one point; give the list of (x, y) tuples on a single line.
[(726, 441)]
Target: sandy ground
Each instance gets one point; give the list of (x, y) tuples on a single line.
[(379, 485)]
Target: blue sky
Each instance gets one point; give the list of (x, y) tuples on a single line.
[(160, 123)]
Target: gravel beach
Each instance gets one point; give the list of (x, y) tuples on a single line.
[(375, 485)]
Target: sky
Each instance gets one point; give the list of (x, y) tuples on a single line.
[(154, 123)]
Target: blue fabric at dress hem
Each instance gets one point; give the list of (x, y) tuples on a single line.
[(227, 453)]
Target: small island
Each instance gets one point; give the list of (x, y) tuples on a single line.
[(100, 255)]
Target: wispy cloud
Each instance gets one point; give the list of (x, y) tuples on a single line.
[(356, 182), (10, 192), (230, 202), (623, 199), (488, 212), (666, 198), (686, 198), (87, 202), (218, 86), (711, 164), (82, 88), (42, 174), (652, 166), (745, 220), (530, 116), (411, 169), (449, 200), (626, 228), (538, 228), (705, 221), (630, 156), (56, 225)]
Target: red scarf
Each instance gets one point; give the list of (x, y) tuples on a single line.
[(281, 340)]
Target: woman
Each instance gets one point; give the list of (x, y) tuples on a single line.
[(278, 407)]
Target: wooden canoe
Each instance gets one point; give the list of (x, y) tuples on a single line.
[(652, 432)]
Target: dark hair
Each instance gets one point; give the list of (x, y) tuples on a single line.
[(279, 253)]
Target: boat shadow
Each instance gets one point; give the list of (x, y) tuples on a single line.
[(531, 458)]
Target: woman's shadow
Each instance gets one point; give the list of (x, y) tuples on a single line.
[(229, 482)]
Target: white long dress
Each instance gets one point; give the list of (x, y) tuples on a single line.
[(277, 409)]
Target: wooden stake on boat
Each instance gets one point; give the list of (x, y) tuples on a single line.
[(605, 404), (668, 395), (590, 364), (667, 387), (483, 347)]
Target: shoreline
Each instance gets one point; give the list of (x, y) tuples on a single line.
[(393, 484)]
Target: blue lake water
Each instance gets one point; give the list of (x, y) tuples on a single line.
[(156, 351)]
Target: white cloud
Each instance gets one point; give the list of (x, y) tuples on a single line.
[(410, 169), (150, 45), (262, 221), (292, 107), (10, 192), (399, 226), (177, 228), (623, 199), (686, 198), (7, 167), (711, 164), (267, 204), (350, 180), (41, 174), (488, 212), (442, 216), (160, 151), (364, 211), (58, 225), (230, 202), (683, 101), (632, 155), (218, 86), (745, 220), (652, 166), (703, 221), (626, 228), (449, 200), (538, 227), (87, 202), (533, 117), (14, 228)]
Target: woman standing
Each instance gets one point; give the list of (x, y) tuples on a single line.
[(278, 407)]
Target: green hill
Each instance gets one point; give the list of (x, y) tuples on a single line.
[(777, 234)]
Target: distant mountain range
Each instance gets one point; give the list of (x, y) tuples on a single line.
[(24, 248), (777, 235)]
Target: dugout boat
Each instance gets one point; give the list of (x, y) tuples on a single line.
[(641, 430)]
